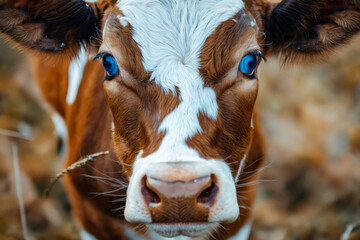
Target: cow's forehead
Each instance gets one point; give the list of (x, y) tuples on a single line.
[(169, 32)]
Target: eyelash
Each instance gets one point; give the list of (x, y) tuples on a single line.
[(99, 55)]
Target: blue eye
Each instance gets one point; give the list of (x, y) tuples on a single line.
[(110, 65), (248, 65)]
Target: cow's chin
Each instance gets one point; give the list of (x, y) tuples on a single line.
[(173, 230)]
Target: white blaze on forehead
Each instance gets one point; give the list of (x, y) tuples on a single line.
[(170, 35)]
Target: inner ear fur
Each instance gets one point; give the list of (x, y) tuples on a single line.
[(308, 30), (52, 26)]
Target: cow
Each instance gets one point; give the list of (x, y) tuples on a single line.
[(168, 87)]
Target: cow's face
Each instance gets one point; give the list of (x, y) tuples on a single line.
[(181, 84)]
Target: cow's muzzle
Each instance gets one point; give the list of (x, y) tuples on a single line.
[(183, 194), (177, 198)]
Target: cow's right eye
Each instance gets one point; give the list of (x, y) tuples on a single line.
[(248, 65), (110, 65)]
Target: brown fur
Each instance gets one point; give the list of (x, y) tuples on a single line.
[(175, 210)]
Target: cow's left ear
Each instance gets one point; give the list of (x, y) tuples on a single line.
[(52, 26), (307, 30)]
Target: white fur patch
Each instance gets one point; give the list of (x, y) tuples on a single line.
[(59, 125), (76, 70), (60, 128), (170, 35), (172, 230), (252, 121), (104, 28), (123, 21), (154, 236), (243, 233), (84, 235)]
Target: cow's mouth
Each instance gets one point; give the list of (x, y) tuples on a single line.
[(170, 230)]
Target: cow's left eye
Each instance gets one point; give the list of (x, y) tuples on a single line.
[(110, 65), (248, 65)]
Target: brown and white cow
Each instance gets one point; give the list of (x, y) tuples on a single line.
[(176, 108)]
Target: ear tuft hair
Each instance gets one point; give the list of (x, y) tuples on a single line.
[(48, 25), (289, 19), (298, 30)]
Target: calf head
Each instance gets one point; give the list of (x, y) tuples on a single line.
[(181, 83), (184, 125)]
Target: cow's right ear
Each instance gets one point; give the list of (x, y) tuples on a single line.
[(307, 31), (51, 25)]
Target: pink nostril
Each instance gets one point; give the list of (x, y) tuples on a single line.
[(150, 196), (207, 196), (179, 187)]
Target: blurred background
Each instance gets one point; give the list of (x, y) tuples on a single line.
[(311, 121)]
